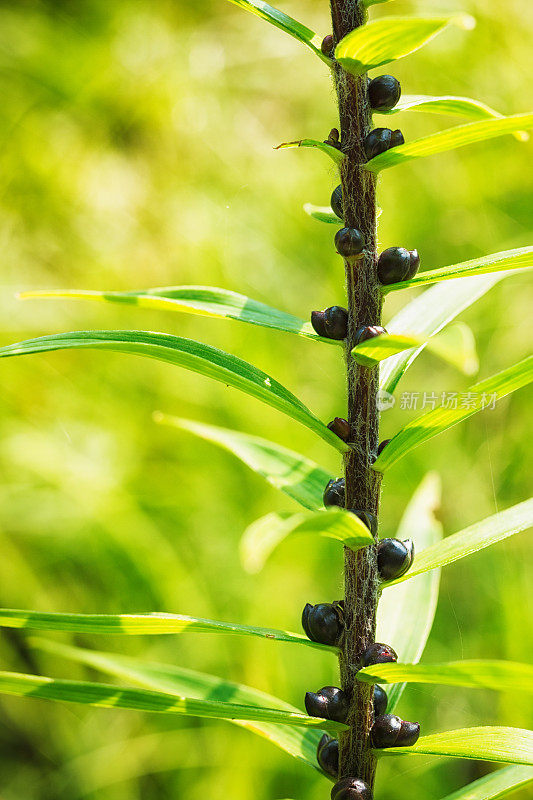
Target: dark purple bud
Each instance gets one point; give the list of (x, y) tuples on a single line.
[(394, 558), (396, 138), (378, 653), (367, 332), (333, 138), (377, 141), (382, 444), (349, 242), (336, 201), (370, 520), (409, 733), (331, 323), (329, 703), (384, 92), (335, 493), (323, 623), (415, 263), (351, 789), (327, 755), (341, 428), (393, 265), (327, 45), (380, 701), (385, 730)]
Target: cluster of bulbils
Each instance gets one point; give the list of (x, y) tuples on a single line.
[(324, 623)]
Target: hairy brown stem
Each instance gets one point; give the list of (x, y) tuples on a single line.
[(362, 484)]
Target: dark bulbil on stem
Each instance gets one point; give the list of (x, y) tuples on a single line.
[(397, 264), (384, 92), (370, 520), (327, 755), (368, 332), (336, 202), (378, 653), (341, 428), (335, 493), (351, 789), (329, 703), (394, 558), (332, 323), (380, 701), (323, 623), (349, 242), (389, 730)]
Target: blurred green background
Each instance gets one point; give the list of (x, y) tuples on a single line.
[(137, 151)]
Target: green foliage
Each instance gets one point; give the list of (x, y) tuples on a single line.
[(521, 258), (297, 476), (450, 139), (481, 395), (263, 536), (389, 39), (499, 675), (489, 744), (336, 155), (195, 356), (208, 301), (472, 539), (497, 784), (456, 345)]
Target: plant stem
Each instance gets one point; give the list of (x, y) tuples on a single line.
[(362, 484)]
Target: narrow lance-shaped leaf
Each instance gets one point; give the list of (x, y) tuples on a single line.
[(478, 397), (448, 105), (140, 625), (498, 784), (204, 301), (336, 155), (499, 675), (472, 539), (519, 259), (416, 601), (511, 745), (449, 139), (296, 476), (455, 345), (262, 537), (427, 314), (285, 23), (107, 696), (389, 39), (298, 742), (192, 355)]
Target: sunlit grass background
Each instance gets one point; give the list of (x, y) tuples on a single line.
[(137, 151)]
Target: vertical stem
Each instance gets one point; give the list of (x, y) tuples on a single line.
[(362, 484)]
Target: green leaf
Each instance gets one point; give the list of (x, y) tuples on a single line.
[(140, 625), (472, 539), (284, 23), (187, 353), (374, 2), (497, 784), (488, 744), (336, 155), (448, 105), (262, 537), (298, 742), (204, 301), (479, 396), (499, 675), (520, 258), (417, 601), (456, 345), (389, 39), (449, 139), (322, 214), (299, 477), (107, 696), (427, 314)]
